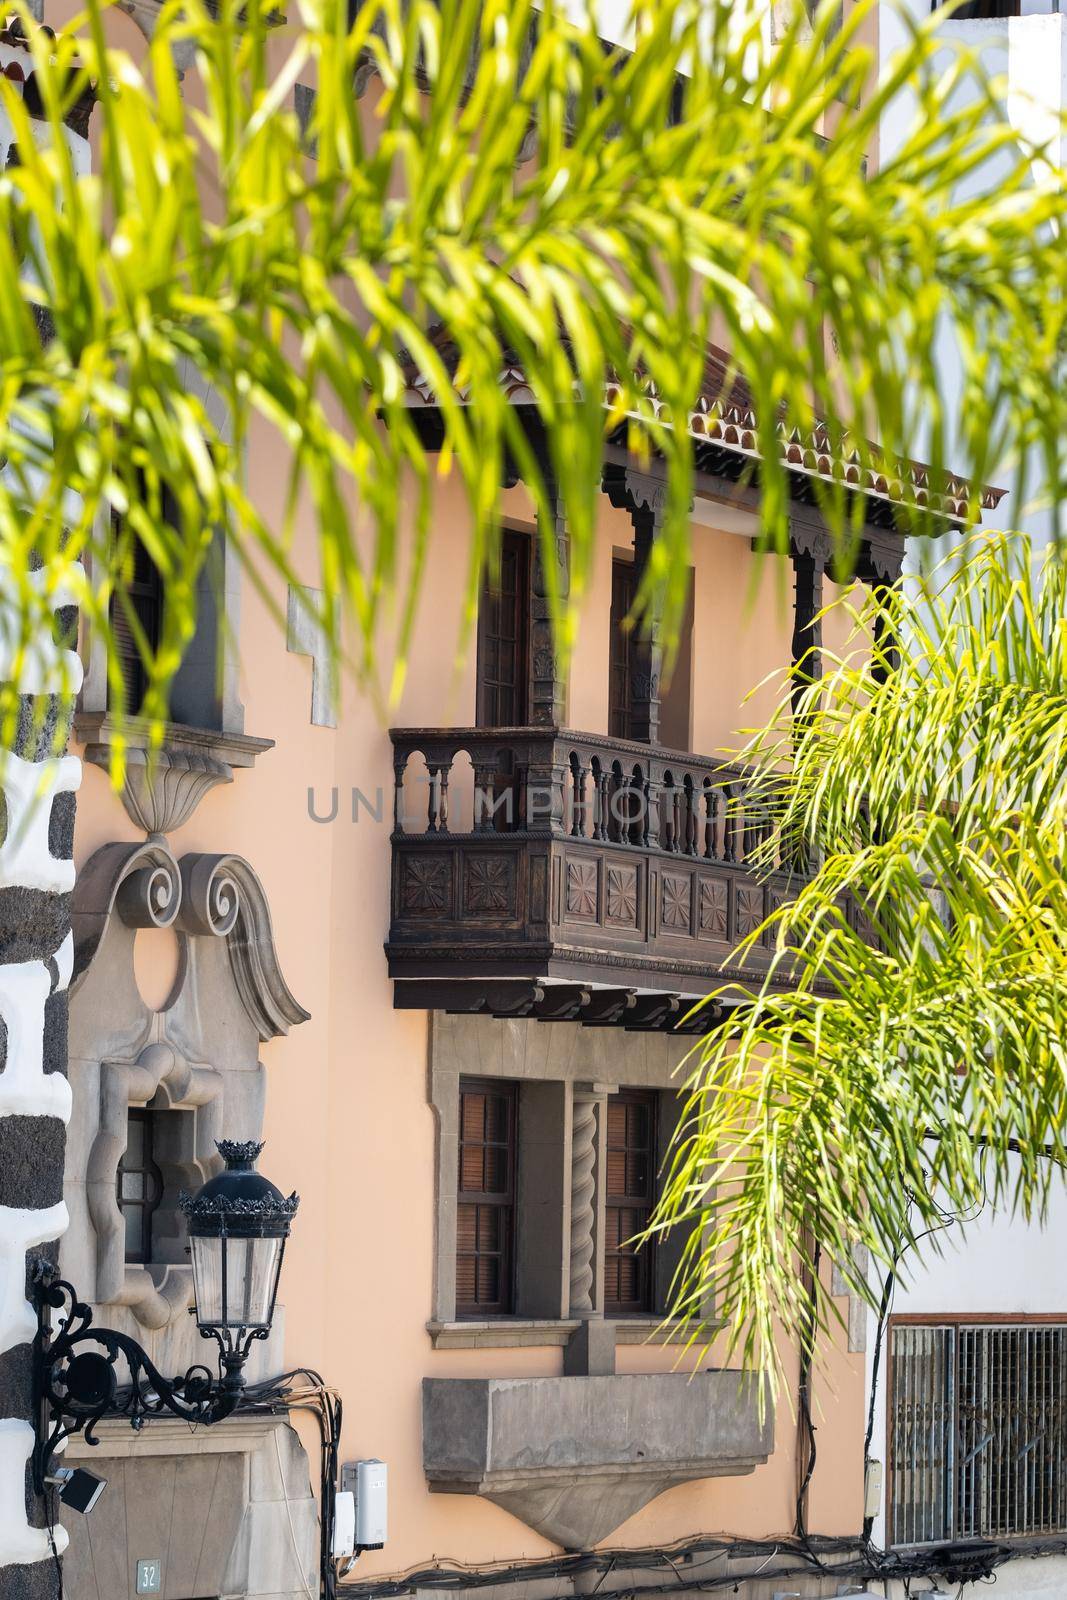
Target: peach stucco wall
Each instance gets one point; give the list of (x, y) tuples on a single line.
[(348, 1122)]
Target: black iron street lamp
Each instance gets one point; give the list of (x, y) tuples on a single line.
[(238, 1224)]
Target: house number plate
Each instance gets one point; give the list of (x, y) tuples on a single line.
[(150, 1577)]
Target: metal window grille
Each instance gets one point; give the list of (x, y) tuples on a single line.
[(978, 1432)]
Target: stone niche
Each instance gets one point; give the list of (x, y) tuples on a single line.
[(225, 1511), (574, 1457)]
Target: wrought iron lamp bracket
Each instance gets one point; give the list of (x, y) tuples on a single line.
[(77, 1381)]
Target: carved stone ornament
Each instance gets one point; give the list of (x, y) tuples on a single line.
[(213, 896), (163, 787), (192, 1061)]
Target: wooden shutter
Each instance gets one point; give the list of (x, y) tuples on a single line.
[(630, 1193), (485, 1215), (623, 590), (503, 637), (144, 592)]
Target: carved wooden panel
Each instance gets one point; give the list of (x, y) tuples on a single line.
[(620, 887), (538, 889), (776, 899), (489, 885), (862, 923), (426, 885), (713, 916), (581, 889), (749, 905), (675, 898)]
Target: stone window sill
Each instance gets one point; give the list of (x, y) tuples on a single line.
[(654, 1330), (235, 749), (505, 1333), (502, 1334)]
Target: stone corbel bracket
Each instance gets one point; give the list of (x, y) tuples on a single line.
[(164, 784), (213, 896)]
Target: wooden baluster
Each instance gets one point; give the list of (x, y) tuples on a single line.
[(600, 783), (484, 797), (614, 822), (690, 820), (578, 803), (708, 802), (442, 805), (729, 824), (431, 804), (399, 768), (668, 818), (520, 790), (722, 824)]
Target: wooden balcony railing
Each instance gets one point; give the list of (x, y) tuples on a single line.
[(546, 853)]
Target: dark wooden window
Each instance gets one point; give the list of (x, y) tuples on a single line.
[(140, 1185), (485, 1219), (623, 590), (503, 637), (631, 1179), (144, 590)]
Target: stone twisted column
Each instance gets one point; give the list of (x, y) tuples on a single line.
[(583, 1200), (591, 1349)]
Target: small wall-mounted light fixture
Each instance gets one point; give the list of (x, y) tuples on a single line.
[(238, 1225), (78, 1488)]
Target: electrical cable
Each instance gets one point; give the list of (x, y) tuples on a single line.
[(806, 1421), (301, 1389), (797, 1559), (283, 1394), (289, 1518), (50, 1503)]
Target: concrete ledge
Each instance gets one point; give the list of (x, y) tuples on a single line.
[(574, 1457)]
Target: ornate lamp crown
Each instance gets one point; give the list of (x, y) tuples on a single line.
[(239, 1195)]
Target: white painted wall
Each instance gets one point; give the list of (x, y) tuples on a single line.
[(994, 1265)]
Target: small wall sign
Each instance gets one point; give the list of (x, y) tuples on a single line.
[(150, 1576)]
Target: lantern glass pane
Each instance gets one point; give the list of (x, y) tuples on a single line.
[(207, 1255), (255, 1279), (235, 1280)]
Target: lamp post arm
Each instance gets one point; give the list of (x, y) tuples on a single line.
[(76, 1379)]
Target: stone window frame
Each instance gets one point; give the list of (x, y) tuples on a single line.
[(162, 1079), (560, 1068)]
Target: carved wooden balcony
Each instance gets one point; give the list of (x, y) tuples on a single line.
[(581, 860)]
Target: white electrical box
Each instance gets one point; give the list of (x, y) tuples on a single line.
[(344, 1523), (872, 1489), (369, 1483)]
